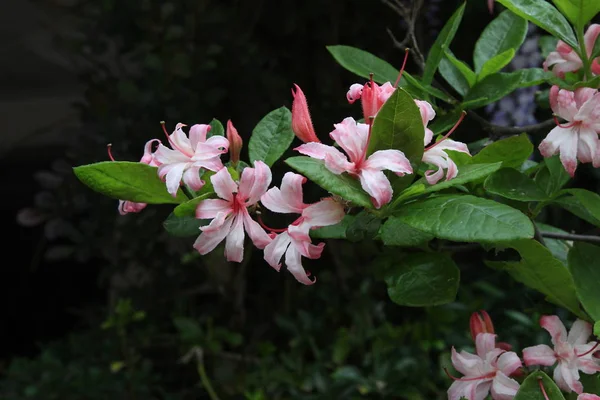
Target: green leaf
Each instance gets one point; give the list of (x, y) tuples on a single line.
[(466, 174), (553, 176), (505, 32), (271, 137), (412, 81), (465, 218), (443, 122), (216, 128), (583, 264), (363, 63), (423, 279), (496, 86), (589, 200), (559, 248), (394, 232), (343, 185), (579, 12), (442, 42), (189, 207), (126, 180), (462, 67), (530, 388), (183, 226), (512, 184), (573, 205), (398, 125), (496, 63), (539, 270), (542, 14), (364, 226), (512, 152), (454, 77), (547, 44), (337, 231)]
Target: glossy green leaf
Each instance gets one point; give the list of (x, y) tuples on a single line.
[(216, 128), (337, 231), (189, 207), (553, 176), (442, 42), (589, 200), (512, 184), (126, 180), (576, 207), (462, 67), (363, 63), (271, 137), (394, 232), (559, 248), (414, 82), (496, 63), (544, 15), (466, 174), (364, 226), (184, 226), (454, 77), (443, 122), (465, 218), (398, 125), (547, 44), (507, 31), (530, 388), (583, 264), (423, 279), (579, 12), (541, 271), (343, 185), (512, 152), (496, 86)]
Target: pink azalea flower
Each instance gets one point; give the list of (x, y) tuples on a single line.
[(229, 214), (295, 241), (480, 322), (486, 371), (301, 122), (565, 59), (188, 155), (353, 138), (235, 143), (578, 140), (588, 396), (126, 206), (436, 153), (573, 352)]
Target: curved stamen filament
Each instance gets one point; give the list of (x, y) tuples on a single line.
[(543, 389), (265, 226), (589, 351), (109, 150), (462, 116), (572, 124), (364, 154), (402, 69), (476, 378)]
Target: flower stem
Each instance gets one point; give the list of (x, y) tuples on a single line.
[(587, 72), (205, 381)]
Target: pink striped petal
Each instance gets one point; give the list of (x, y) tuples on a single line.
[(580, 332), (234, 244), (539, 355), (484, 343), (352, 137), (179, 141), (224, 185), (288, 199), (503, 387), (323, 213), (174, 173), (126, 207), (165, 155), (466, 363), (588, 396), (213, 234), (213, 147), (335, 160), (293, 262), (210, 208), (393, 160), (590, 37), (567, 378), (149, 157), (191, 177), (509, 362), (254, 182), (377, 185), (198, 134), (274, 251), (354, 92), (259, 237)]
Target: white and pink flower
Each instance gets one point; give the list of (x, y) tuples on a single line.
[(578, 139), (295, 241), (572, 352), (229, 213), (353, 138), (565, 59), (188, 156), (488, 370)]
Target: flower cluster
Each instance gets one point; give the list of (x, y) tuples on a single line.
[(565, 59), (494, 367)]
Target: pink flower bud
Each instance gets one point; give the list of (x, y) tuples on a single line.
[(301, 122), (480, 322), (235, 142)]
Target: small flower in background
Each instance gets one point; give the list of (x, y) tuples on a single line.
[(294, 241), (565, 59), (577, 140), (353, 138), (487, 371), (587, 396), (301, 122), (572, 352), (235, 143), (188, 156), (230, 215)]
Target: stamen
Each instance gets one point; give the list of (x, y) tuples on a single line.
[(108, 149), (476, 378), (542, 388), (572, 124), (462, 116), (364, 154), (265, 226), (402, 69), (589, 351)]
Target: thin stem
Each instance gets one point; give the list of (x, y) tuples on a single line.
[(572, 237), (187, 192), (542, 388), (204, 378), (497, 130), (583, 53), (537, 235)]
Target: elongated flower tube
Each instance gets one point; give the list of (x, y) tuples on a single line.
[(235, 143), (295, 241), (188, 156), (229, 213), (301, 122)]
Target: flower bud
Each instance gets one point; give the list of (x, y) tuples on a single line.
[(301, 122), (235, 143), (480, 322)]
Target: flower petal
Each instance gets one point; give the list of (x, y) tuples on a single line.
[(234, 244), (179, 141), (173, 178), (198, 134), (293, 263), (213, 234), (539, 355), (254, 182), (352, 137), (191, 177), (354, 92), (275, 250), (590, 37), (323, 213), (466, 363), (563, 103), (224, 185), (335, 160), (393, 160), (209, 208), (165, 155), (567, 377), (503, 387), (509, 362), (580, 332), (149, 157), (377, 185), (484, 343), (289, 198), (213, 147), (259, 237), (588, 396)]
